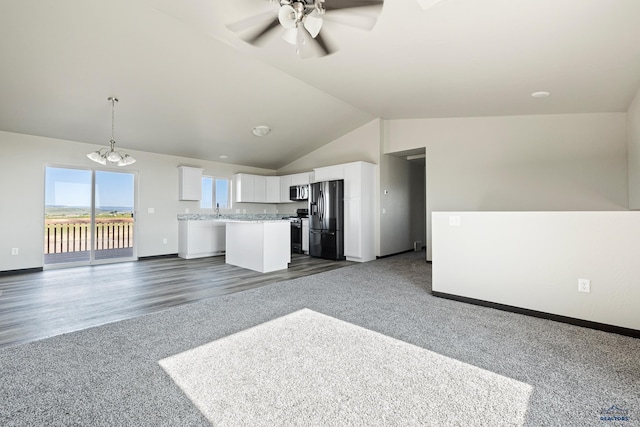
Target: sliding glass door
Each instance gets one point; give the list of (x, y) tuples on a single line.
[(89, 216)]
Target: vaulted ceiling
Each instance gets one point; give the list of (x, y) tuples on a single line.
[(188, 86)]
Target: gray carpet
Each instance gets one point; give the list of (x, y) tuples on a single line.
[(408, 358)]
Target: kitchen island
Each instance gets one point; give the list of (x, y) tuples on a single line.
[(259, 243)]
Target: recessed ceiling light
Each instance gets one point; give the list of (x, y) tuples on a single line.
[(223, 157), (541, 94), (261, 130)]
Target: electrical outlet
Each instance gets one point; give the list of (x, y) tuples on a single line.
[(584, 285), (14, 251), (186, 210), (164, 241)]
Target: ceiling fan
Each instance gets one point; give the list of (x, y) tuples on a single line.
[(300, 22)]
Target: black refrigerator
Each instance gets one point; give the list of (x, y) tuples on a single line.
[(326, 219)]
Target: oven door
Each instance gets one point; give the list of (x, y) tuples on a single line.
[(296, 237)]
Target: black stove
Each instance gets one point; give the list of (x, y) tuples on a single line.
[(296, 230)]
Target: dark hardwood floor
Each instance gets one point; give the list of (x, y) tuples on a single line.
[(52, 302)]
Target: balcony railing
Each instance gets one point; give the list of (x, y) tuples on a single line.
[(76, 237)]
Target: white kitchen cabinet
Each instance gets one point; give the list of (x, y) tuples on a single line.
[(189, 183), (266, 189), (257, 188), (244, 187), (272, 185), (299, 178), (329, 173), (250, 188), (262, 246), (285, 183), (201, 238), (359, 207)]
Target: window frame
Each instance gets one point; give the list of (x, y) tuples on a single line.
[(214, 180)]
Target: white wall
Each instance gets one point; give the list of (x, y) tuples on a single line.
[(519, 163), (22, 209), (633, 152), (533, 260), (395, 205), (361, 144)]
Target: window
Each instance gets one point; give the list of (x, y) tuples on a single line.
[(216, 192)]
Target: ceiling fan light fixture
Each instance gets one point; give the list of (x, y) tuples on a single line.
[(291, 36), (313, 24), (261, 130), (287, 17)]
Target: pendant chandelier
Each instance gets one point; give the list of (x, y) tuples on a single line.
[(110, 155)]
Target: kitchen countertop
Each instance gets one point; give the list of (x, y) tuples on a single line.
[(256, 218)]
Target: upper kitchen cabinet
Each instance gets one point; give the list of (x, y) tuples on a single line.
[(285, 183), (329, 173), (257, 188), (272, 185), (266, 189), (244, 185), (299, 178), (189, 183)]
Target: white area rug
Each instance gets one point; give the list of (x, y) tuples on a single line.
[(307, 368)]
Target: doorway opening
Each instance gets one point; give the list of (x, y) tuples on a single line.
[(89, 216)]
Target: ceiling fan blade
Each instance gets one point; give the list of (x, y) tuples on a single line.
[(255, 39), (349, 4), (352, 19), (252, 21), (426, 4), (323, 45)]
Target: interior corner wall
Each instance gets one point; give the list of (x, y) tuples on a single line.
[(22, 208), (563, 162), (395, 205), (633, 152), (418, 192), (361, 144)]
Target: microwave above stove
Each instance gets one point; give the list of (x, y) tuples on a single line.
[(298, 193)]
